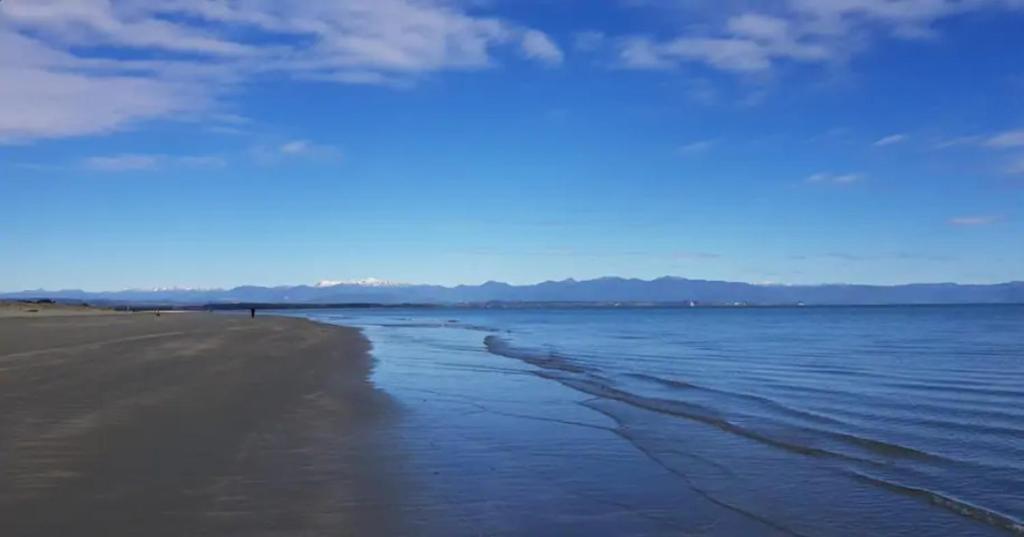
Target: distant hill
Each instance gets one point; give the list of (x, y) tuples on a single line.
[(602, 290)]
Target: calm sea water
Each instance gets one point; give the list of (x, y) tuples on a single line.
[(773, 421)]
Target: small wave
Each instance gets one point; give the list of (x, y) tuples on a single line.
[(877, 446), (671, 383), (944, 407), (705, 415), (959, 389), (623, 431), (573, 375), (982, 514), (448, 324), (549, 360), (764, 401), (694, 412), (883, 447), (554, 367)]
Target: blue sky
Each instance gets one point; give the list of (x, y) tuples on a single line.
[(207, 143)]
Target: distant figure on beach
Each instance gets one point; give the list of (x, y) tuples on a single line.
[(252, 313)]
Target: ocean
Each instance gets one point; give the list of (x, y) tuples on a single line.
[(704, 421)]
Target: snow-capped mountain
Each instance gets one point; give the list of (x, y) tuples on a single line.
[(601, 290), (365, 282)]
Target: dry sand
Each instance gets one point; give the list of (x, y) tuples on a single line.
[(190, 424)]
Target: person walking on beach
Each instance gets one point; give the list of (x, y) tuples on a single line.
[(252, 313)]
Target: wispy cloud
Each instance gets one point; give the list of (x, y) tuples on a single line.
[(752, 38), (829, 178), (891, 139), (294, 149), (1001, 140), (122, 163), (694, 256), (642, 53), (873, 257), (696, 148), (968, 221), (1006, 139), (63, 73), (49, 93), (1007, 143), (538, 46), (308, 148), (232, 124), (144, 162), (959, 141)]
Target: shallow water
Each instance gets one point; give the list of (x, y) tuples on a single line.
[(766, 421)]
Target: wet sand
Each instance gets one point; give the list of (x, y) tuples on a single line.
[(189, 424)]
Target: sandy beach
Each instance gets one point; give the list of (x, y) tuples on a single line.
[(28, 308), (189, 424)]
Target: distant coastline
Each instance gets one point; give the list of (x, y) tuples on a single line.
[(668, 291), (117, 307)]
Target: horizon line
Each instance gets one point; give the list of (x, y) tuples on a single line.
[(392, 283)]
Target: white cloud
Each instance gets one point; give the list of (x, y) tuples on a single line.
[(65, 71), (696, 148), (538, 46), (100, 22), (1006, 139), (892, 139), (642, 53), (761, 27), (959, 142), (750, 44), (835, 178), (751, 37), (148, 162), (309, 149), (1001, 140), (973, 220), (48, 93), (122, 163), (294, 149), (740, 55)]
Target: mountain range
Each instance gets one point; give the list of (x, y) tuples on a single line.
[(665, 290)]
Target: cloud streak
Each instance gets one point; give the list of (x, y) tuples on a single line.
[(973, 221), (891, 139), (1006, 140), (839, 179), (122, 163), (65, 72), (150, 162), (752, 38), (295, 149), (538, 46), (696, 148)]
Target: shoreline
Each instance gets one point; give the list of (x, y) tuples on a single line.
[(606, 424), (134, 424)]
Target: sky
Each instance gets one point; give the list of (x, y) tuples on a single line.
[(214, 143)]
